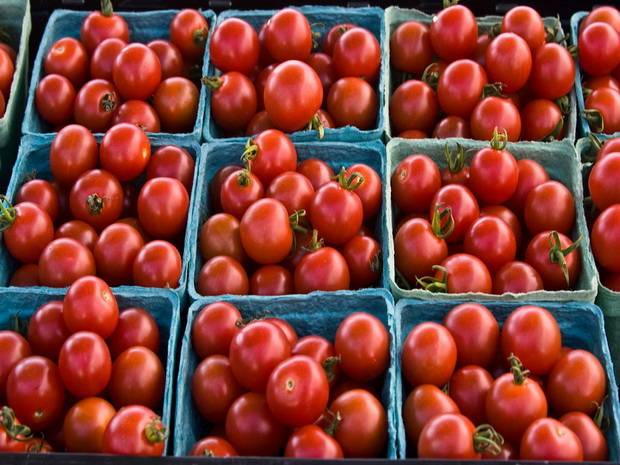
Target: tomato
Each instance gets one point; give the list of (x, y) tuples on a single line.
[(138, 113), (95, 105), (317, 171), (531, 174), (602, 110), (429, 355), (464, 273), (541, 120), (469, 386), (604, 238), (158, 264), (115, 253), (513, 403), (73, 152), (599, 49), (136, 72), (576, 383), (222, 275), (460, 87), (163, 205), (14, 348), (605, 14), (554, 256), (509, 61), (103, 56), (90, 305), (271, 280), (310, 441), (526, 23), (234, 46), (320, 350), (288, 36), (54, 99), (240, 190), (410, 47), (548, 439), (415, 182), (363, 256), (101, 25), (369, 191), (603, 189), (451, 126), (260, 122), (324, 269), (323, 65), (7, 70), (600, 82), (422, 404), (79, 231), (474, 347), (42, 194), (214, 328), (46, 331), (125, 151), (213, 446), (14, 437), (176, 103), (494, 174), (169, 56), (85, 424), (506, 215), (550, 206), (252, 429), (2, 105), (140, 368), (64, 261), (25, 276), (67, 57), (448, 436), (285, 327), (219, 235), (492, 240), (357, 54), (293, 94), (352, 102), (413, 105), (413, 134), (493, 113), (270, 154), (333, 35), (171, 161), (134, 430), (592, 439), (362, 431), (553, 71), (35, 391), (454, 32), (293, 190), (188, 31), (516, 277), (463, 207), (9, 50)]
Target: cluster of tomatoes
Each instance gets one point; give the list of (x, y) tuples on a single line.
[(102, 79), (273, 80), (268, 391), (269, 210), (106, 212), (77, 350), (7, 70), (461, 228), (510, 80), (599, 58), (511, 408)]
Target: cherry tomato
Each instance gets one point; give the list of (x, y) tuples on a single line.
[(324, 269), (526, 23), (188, 31), (413, 134), (14, 437), (363, 256), (95, 105), (605, 101), (415, 181), (495, 113), (46, 331), (448, 436), (548, 439), (73, 152), (451, 126), (101, 25), (102, 59), (310, 441), (559, 266), (515, 278), (134, 430), (240, 190), (323, 65), (125, 151), (140, 368), (138, 113), (507, 216), (463, 207), (163, 205), (541, 120), (176, 103), (270, 154), (531, 174), (357, 54), (14, 348), (410, 47), (422, 404), (96, 198), (454, 32), (25, 276), (136, 72), (599, 49), (553, 71), (42, 194), (491, 240), (317, 171), (333, 35), (214, 328), (85, 364), (219, 235), (603, 190), (550, 206), (288, 36), (171, 161), (54, 99), (272, 280), (169, 56), (605, 14), (413, 105), (79, 231), (85, 423), (428, 355), (460, 87), (67, 57), (599, 82), (222, 275), (158, 264), (352, 102), (90, 305), (293, 190), (509, 61), (322, 351), (260, 122), (213, 446), (464, 273), (592, 439), (369, 191), (115, 253), (469, 386), (604, 235), (234, 46)]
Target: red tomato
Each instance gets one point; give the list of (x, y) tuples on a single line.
[(138, 113), (7, 69), (553, 71), (515, 278), (95, 105), (188, 31), (14, 348), (311, 442), (54, 99), (96, 198), (115, 253), (548, 439), (141, 369), (550, 206), (285, 327), (602, 110), (460, 87), (491, 240), (169, 56), (463, 207), (158, 264), (599, 82), (90, 305), (213, 446), (14, 437), (64, 261), (494, 174), (42, 194), (240, 190), (271, 280), (136, 327), (79, 231), (323, 65), (469, 386), (495, 113), (222, 275), (527, 23), (605, 14), (125, 151), (352, 102), (422, 404), (234, 46), (293, 190), (428, 355), (531, 174), (134, 430), (605, 233), (322, 351), (317, 171), (454, 32), (541, 120), (103, 57), (410, 47), (599, 49), (270, 154), (555, 258), (214, 328), (590, 435), (448, 436), (25, 276), (413, 105), (357, 54), (363, 256), (451, 126), (506, 215), (67, 57), (176, 103), (163, 205), (47, 331), (413, 134), (464, 273), (333, 35), (603, 189), (73, 152), (509, 61), (85, 423), (136, 72), (101, 25), (324, 269), (171, 161), (219, 235), (288, 36), (415, 182), (369, 191)]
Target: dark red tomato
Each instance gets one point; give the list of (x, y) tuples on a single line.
[(548, 439), (13, 349), (234, 46), (413, 134), (141, 369), (493, 113), (115, 252), (219, 235), (602, 110), (590, 435), (73, 152), (125, 151), (599, 49), (531, 174), (134, 430), (601, 183), (222, 275), (260, 122), (410, 47), (101, 25), (363, 256), (162, 207), (259, 85), (322, 351), (85, 424), (428, 355), (357, 54), (451, 126), (532, 334), (29, 232), (79, 231), (463, 207), (576, 383), (541, 120), (189, 31), (136, 72), (516, 277), (422, 404), (413, 105), (90, 305), (270, 154), (216, 185), (169, 56), (526, 23), (605, 233), (474, 346), (25, 276), (550, 206), (136, 327), (599, 82), (213, 446), (454, 32), (352, 102), (47, 331), (67, 57), (418, 249), (9, 50), (264, 57), (293, 94), (2, 105), (214, 328), (323, 66), (469, 386), (482, 43), (34, 390), (42, 194), (7, 69), (95, 105), (103, 57), (508, 217), (491, 240), (509, 61), (288, 36), (63, 262), (362, 432), (252, 429), (272, 280), (311, 442), (293, 190), (605, 14), (369, 191), (464, 273), (448, 436), (54, 99), (96, 198), (553, 71), (460, 87), (558, 265), (317, 171), (494, 174), (415, 182), (176, 103), (85, 364), (333, 35), (171, 161), (138, 113), (158, 264), (324, 269)]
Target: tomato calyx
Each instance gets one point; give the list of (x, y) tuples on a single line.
[(95, 204), (316, 124), (14, 430), (595, 120), (295, 221), (332, 421), (315, 243), (557, 255), (350, 183), (243, 178), (519, 373), (455, 158), (432, 284), (155, 431), (250, 152), (499, 139), (37, 445), (449, 3), (108, 103), (442, 222), (329, 366), (8, 214), (430, 75), (199, 36), (106, 8), (212, 82), (487, 440), (495, 89)]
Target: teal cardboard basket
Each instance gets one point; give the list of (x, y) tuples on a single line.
[(582, 328), (321, 19), (319, 314)]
